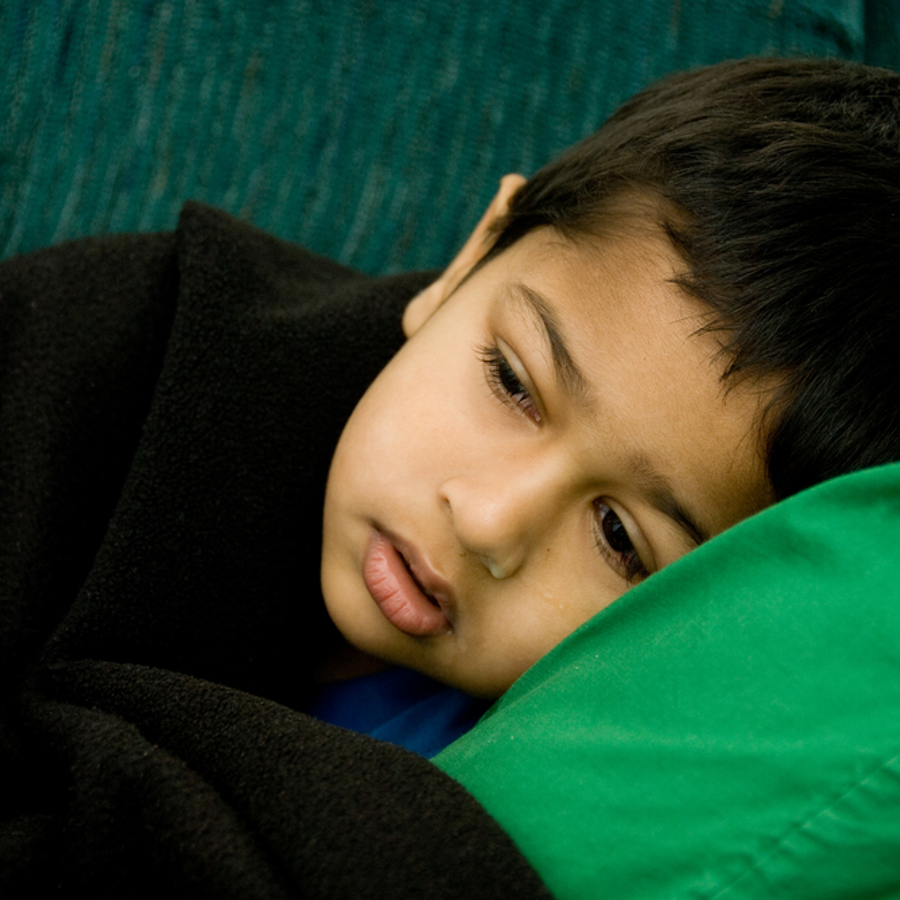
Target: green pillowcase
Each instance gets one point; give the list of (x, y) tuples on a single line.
[(730, 728)]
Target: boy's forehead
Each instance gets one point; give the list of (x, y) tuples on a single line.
[(630, 225), (620, 279)]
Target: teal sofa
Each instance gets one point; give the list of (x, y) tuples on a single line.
[(373, 133)]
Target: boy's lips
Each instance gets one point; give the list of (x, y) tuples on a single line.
[(410, 596)]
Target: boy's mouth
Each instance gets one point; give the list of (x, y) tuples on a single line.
[(415, 579), (405, 591)]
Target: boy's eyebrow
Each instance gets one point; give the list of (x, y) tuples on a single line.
[(659, 489), (655, 485), (567, 371)]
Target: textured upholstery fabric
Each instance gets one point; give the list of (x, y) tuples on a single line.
[(371, 132)]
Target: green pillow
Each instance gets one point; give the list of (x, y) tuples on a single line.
[(729, 728)]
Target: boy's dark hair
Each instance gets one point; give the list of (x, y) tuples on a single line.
[(778, 181)]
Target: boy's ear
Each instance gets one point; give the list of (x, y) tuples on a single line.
[(420, 308)]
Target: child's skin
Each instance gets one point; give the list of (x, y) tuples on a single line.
[(524, 486)]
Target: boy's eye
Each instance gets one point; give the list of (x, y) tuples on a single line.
[(616, 546), (504, 382)]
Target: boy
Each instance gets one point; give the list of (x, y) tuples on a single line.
[(686, 317), (682, 320)]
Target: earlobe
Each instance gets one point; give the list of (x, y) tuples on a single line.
[(423, 305)]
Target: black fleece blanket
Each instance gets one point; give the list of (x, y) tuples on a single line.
[(168, 408)]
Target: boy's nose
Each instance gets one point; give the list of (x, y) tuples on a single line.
[(498, 518)]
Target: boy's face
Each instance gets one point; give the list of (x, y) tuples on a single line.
[(552, 432)]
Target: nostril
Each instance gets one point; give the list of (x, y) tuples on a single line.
[(496, 570)]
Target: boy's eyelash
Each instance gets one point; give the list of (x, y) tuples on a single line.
[(616, 546), (504, 382)]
